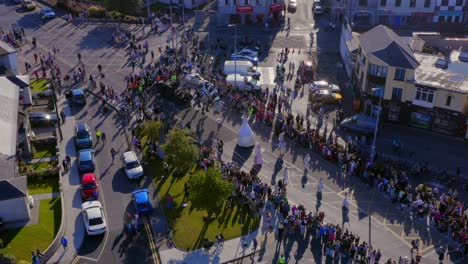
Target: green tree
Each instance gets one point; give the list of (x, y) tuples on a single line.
[(124, 6), (208, 190), (152, 130), (180, 150), (7, 258)]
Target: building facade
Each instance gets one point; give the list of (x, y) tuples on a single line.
[(189, 4), (249, 11), (415, 88), (364, 14)]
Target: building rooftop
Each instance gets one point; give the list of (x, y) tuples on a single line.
[(454, 78), (9, 100), (6, 49), (387, 46)]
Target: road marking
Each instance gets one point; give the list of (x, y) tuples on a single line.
[(153, 249), (75, 260)]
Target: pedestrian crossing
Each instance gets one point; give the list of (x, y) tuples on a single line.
[(267, 75)]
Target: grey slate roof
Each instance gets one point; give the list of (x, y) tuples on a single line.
[(9, 191), (387, 46)]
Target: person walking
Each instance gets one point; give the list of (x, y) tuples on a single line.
[(113, 154), (34, 42), (68, 160), (345, 201), (99, 68), (320, 186), (64, 242), (64, 164), (414, 245), (79, 57), (63, 116), (98, 135)]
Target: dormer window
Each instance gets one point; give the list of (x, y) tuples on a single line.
[(448, 100)]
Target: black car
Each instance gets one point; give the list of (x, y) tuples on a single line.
[(78, 97), (83, 139), (42, 119), (86, 161)]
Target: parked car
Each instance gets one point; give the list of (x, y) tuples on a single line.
[(240, 57), (83, 138), (359, 123), (86, 161), (28, 5), (42, 119), (141, 201), (325, 97), (131, 165), (47, 13), (292, 6), (318, 10), (319, 85), (248, 52), (93, 216), (78, 97), (89, 187)]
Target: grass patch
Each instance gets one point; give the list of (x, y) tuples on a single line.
[(38, 86), (190, 225), (44, 185), (43, 165), (44, 150), (21, 241)]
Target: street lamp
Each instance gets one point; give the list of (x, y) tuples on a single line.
[(54, 100), (235, 51), (376, 123)]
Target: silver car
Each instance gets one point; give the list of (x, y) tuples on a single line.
[(132, 166)]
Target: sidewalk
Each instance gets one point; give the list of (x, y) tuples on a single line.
[(74, 230)]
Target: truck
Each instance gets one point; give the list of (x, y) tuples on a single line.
[(241, 67), (242, 82)]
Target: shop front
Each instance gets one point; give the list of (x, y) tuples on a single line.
[(362, 20), (447, 16), (418, 18), (244, 13), (276, 13)]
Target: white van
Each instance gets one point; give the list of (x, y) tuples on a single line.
[(242, 82), (240, 67)]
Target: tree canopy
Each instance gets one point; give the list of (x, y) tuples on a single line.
[(124, 6), (208, 189), (180, 150), (151, 129)]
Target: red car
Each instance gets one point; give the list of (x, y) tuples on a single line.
[(89, 187)]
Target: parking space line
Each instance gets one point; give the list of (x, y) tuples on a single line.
[(75, 260)]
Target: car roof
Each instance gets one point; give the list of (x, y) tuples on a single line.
[(141, 195), (85, 154), (323, 91), (129, 156), (89, 177), (77, 92), (321, 83), (89, 206), (81, 127), (38, 114)]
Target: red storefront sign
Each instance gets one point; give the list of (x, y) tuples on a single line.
[(276, 7), (244, 9)]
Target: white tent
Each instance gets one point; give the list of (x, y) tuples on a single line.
[(246, 137)]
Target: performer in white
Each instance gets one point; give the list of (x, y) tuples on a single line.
[(246, 137), (320, 186), (281, 144), (307, 161), (345, 201), (258, 155)]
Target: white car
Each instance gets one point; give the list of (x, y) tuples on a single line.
[(131, 165), (292, 6), (317, 85), (93, 216), (318, 10), (247, 52)]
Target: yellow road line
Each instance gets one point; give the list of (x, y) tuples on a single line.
[(75, 260), (153, 249)]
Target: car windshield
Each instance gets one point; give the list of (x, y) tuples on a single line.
[(132, 165), (96, 221), (89, 186), (79, 96), (83, 134), (143, 205), (85, 163)]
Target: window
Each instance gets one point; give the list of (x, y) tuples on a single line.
[(258, 2), (448, 100), (427, 3), (379, 71), (383, 2), (397, 93), (449, 19), (459, 2), (362, 2), (425, 95), (247, 2), (444, 3), (441, 19), (412, 3), (234, 2), (397, 3), (457, 19), (400, 74)]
